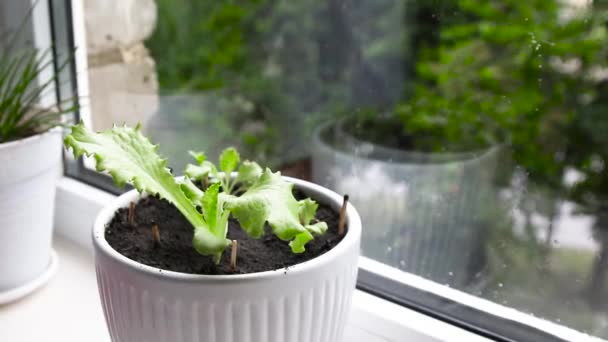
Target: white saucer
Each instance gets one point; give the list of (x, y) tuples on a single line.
[(34, 284)]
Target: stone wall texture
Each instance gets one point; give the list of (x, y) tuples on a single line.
[(123, 85)]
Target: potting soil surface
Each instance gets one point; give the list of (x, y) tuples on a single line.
[(176, 253)]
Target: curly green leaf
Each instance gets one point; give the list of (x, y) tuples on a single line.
[(270, 199), (130, 158)]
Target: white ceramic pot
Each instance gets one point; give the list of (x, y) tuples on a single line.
[(29, 169), (422, 212), (308, 302)]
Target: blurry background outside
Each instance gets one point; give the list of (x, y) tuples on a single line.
[(471, 135)]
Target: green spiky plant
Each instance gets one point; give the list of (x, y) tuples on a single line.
[(22, 84), (254, 196)]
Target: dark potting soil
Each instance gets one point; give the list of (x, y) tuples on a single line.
[(175, 251)]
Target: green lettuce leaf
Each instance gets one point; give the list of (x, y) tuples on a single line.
[(267, 199), (229, 159), (199, 156), (270, 199), (210, 204), (299, 241), (203, 170), (318, 228), (214, 214), (307, 211), (130, 157), (249, 173), (192, 191)]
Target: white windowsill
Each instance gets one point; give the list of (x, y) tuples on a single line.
[(68, 308)]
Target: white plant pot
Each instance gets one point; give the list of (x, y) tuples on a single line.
[(29, 169), (306, 302), (421, 210)]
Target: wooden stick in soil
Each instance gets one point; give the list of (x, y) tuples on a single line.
[(233, 253), (342, 222), (131, 214), (156, 234)]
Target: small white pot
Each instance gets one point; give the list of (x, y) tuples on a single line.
[(309, 302), (29, 169)]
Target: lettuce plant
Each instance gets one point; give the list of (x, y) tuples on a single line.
[(252, 195)]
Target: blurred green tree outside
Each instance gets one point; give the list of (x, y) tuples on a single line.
[(292, 62), (454, 75)]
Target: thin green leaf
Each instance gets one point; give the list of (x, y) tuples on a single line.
[(307, 210), (249, 173), (192, 191), (210, 204), (299, 241), (200, 157), (318, 228), (200, 172), (229, 159), (20, 93)]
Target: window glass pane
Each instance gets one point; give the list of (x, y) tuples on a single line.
[(472, 136), (12, 17)]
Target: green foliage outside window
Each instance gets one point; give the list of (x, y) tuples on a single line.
[(454, 75)]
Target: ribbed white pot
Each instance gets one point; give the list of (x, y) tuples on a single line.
[(308, 302), (29, 169)]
